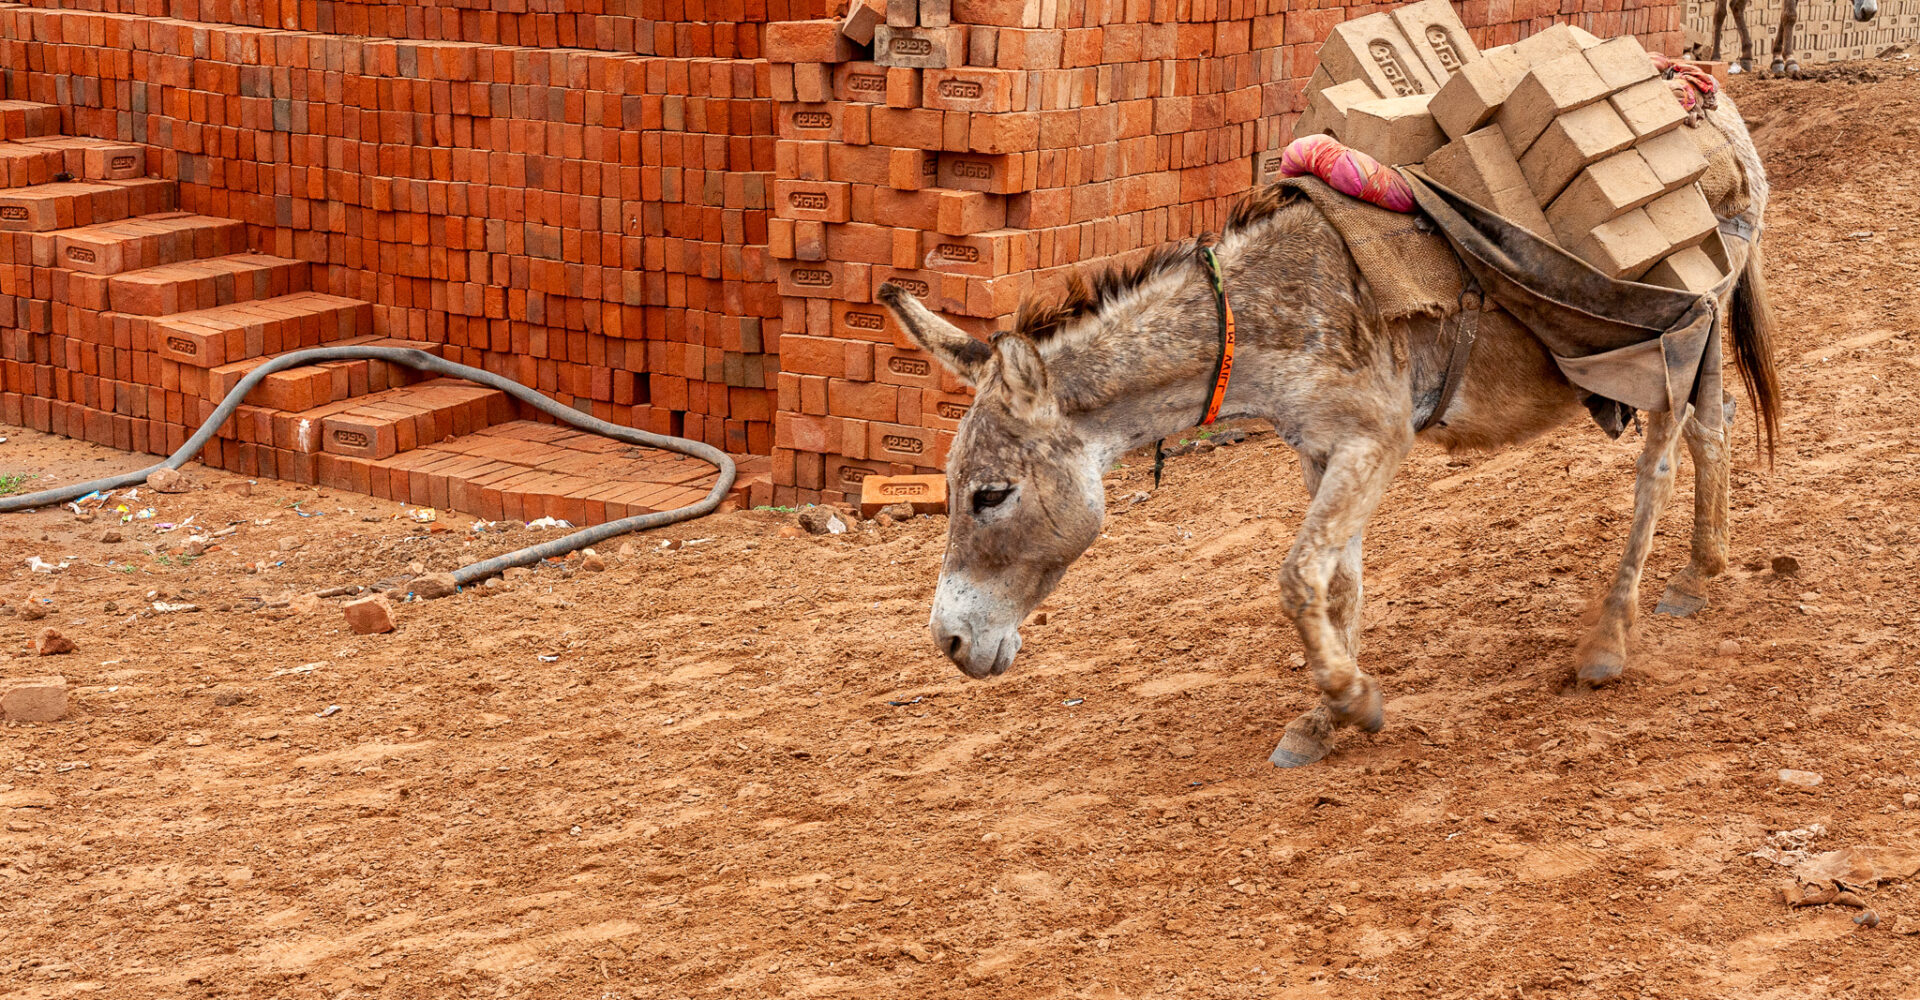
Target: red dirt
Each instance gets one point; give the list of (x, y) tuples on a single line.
[(709, 792)]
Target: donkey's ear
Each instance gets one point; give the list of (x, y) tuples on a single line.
[(1024, 374), (966, 357)]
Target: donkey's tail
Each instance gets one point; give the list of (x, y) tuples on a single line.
[(1753, 327)]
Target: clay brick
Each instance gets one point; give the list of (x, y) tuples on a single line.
[(818, 122), (807, 42), (812, 201), (936, 13), (1329, 108), (862, 17), (369, 615), (1649, 108), (925, 493), (970, 89), (1546, 92), (862, 82), (1571, 142), (1003, 13), (1624, 247), (1371, 48), (40, 698), (1620, 62), (1470, 98), (1395, 130), (1481, 167), (1556, 41), (965, 212), (920, 48), (1675, 158), (1436, 35), (1682, 217), (1690, 270), (1603, 190)]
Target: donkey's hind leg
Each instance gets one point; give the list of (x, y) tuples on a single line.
[(1321, 589), (1602, 654), (1687, 591)]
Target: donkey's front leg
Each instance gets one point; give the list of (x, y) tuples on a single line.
[(1687, 591), (1320, 589), (1603, 652)]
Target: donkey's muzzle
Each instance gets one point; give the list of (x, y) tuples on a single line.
[(1865, 11), (976, 655)]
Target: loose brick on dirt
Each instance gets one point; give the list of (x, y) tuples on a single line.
[(36, 698), (926, 494), (369, 615)]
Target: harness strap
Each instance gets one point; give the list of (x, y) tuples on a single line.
[(1466, 330), (1223, 363)]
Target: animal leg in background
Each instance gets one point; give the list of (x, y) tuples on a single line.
[(1739, 8), (1783, 60), (1323, 570), (1711, 452), (1603, 652)]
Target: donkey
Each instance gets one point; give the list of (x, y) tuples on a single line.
[(1131, 358), (1783, 60)]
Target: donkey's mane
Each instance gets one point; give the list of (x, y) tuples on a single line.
[(1039, 318)]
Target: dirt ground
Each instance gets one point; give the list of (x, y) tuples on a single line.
[(738, 768)]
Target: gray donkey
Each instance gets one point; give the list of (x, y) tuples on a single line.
[(1134, 358)]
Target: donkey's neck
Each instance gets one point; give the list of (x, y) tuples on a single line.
[(1145, 368)]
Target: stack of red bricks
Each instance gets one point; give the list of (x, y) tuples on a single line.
[(124, 322), (588, 223), (726, 29)]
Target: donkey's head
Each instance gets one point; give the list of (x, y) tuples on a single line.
[(1863, 10), (1024, 491)]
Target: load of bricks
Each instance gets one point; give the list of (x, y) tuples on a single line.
[(1822, 32), (1576, 139)]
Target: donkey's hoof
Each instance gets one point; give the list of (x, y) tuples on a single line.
[(1364, 711), (1684, 596), (1600, 667), (1778, 68), (1307, 739)]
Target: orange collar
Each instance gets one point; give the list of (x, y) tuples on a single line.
[(1225, 366)]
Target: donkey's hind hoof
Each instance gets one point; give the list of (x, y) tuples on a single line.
[(1679, 601), (1599, 668), (1308, 739), (1364, 711)]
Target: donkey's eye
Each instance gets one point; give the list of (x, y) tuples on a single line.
[(987, 497)]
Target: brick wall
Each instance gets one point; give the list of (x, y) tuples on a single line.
[(591, 223), (726, 29)]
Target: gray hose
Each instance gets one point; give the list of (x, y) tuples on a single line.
[(427, 362)]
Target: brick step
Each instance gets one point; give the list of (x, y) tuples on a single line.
[(242, 331), (311, 386), (66, 205), (24, 164), (109, 248), (189, 286), (518, 469), (523, 470), (83, 158), (25, 119), (383, 424)]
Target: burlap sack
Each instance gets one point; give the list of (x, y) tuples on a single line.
[(1411, 268)]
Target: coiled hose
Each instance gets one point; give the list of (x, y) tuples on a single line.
[(423, 361)]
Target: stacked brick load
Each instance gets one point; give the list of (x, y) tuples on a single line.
[(1823, 32), (1577, 139)]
